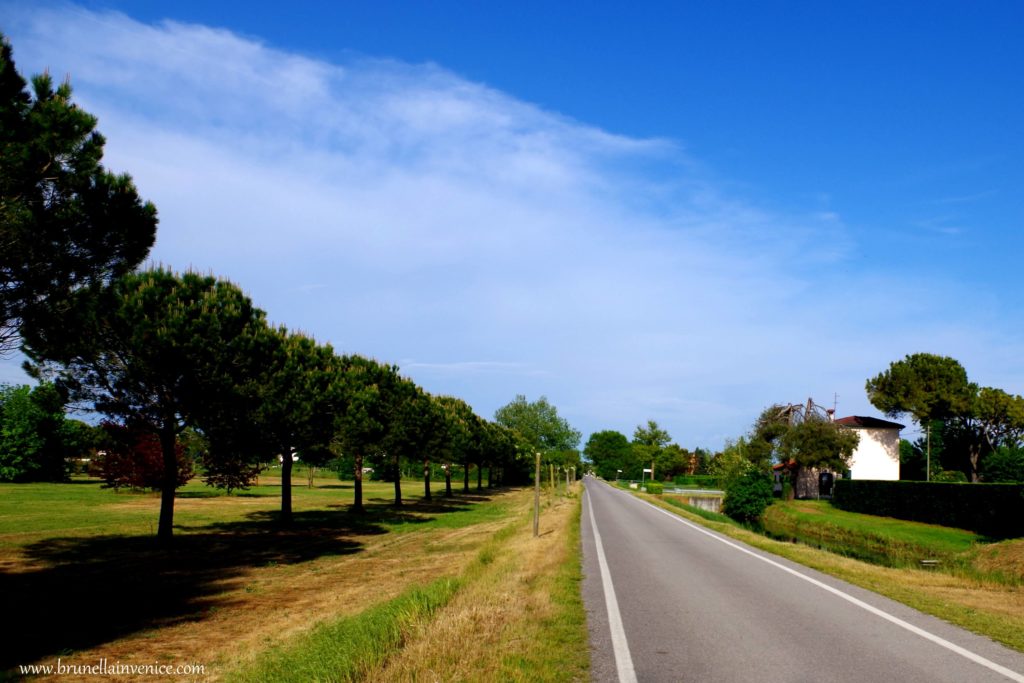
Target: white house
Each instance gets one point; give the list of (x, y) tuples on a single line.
[(878, 453)]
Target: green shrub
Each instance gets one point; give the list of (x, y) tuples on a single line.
[(1004, 465), (703, 481), (995, 510), (747, 497), (654, 487)]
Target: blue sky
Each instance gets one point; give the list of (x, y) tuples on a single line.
[(676, 211)]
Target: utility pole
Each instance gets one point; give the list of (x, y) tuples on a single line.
[(928, 450)]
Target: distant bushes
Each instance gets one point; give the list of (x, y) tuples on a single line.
[(700, 481), (1004, 465), (995, 510), (37, 441)]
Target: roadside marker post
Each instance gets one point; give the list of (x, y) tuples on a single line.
[(536, 499)]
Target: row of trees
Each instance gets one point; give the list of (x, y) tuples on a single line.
[(163, 353), (612, 455), (168, 352), (972, 425)]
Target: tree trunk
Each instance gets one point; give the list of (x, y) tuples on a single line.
[(398, 483), (465, 477), (448, 480), (357, 484), (168, 441), (426, 480), (973, 454), (479, 477), (286, 486), (490, 476)]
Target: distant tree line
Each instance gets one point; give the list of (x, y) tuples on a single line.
[(613, 456)]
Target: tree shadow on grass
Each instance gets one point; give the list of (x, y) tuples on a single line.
[(93, 590)]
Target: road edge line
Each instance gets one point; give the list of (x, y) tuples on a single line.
[(927, 635), (620, 647)]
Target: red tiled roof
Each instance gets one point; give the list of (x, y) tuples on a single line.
[(868, 422)]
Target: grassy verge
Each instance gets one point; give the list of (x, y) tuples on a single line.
[(514, 614), (880, 540), (347, 649), (987, 605), (519, 615)]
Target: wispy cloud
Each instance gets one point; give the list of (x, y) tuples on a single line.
[(966, 198), (941, 225), (445, 221)]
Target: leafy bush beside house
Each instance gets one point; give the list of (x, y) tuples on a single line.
[(748, 496)]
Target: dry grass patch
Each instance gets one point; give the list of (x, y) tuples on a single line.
[(273, 604), (519, 618), (1005, 558)]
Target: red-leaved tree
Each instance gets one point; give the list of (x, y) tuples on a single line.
[(132, 458)]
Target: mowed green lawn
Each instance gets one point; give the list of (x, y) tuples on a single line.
[(893, 542), (33, 512)]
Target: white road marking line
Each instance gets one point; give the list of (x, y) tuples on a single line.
[(953, 647), (623, 660)]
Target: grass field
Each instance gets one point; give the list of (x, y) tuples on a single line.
[(882, 540), (898, 543), (981, 592), (85, 577)]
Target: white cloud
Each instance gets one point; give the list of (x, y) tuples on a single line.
[(444, 222)]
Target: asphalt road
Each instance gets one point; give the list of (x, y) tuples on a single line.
[(676, 602)]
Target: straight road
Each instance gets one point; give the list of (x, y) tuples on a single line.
[(668, 600)]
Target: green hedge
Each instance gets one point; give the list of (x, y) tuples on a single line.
[(704, 481), (654, 487), (995, 510)]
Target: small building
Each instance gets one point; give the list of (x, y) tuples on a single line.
[(878, 453), (807, 482)]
